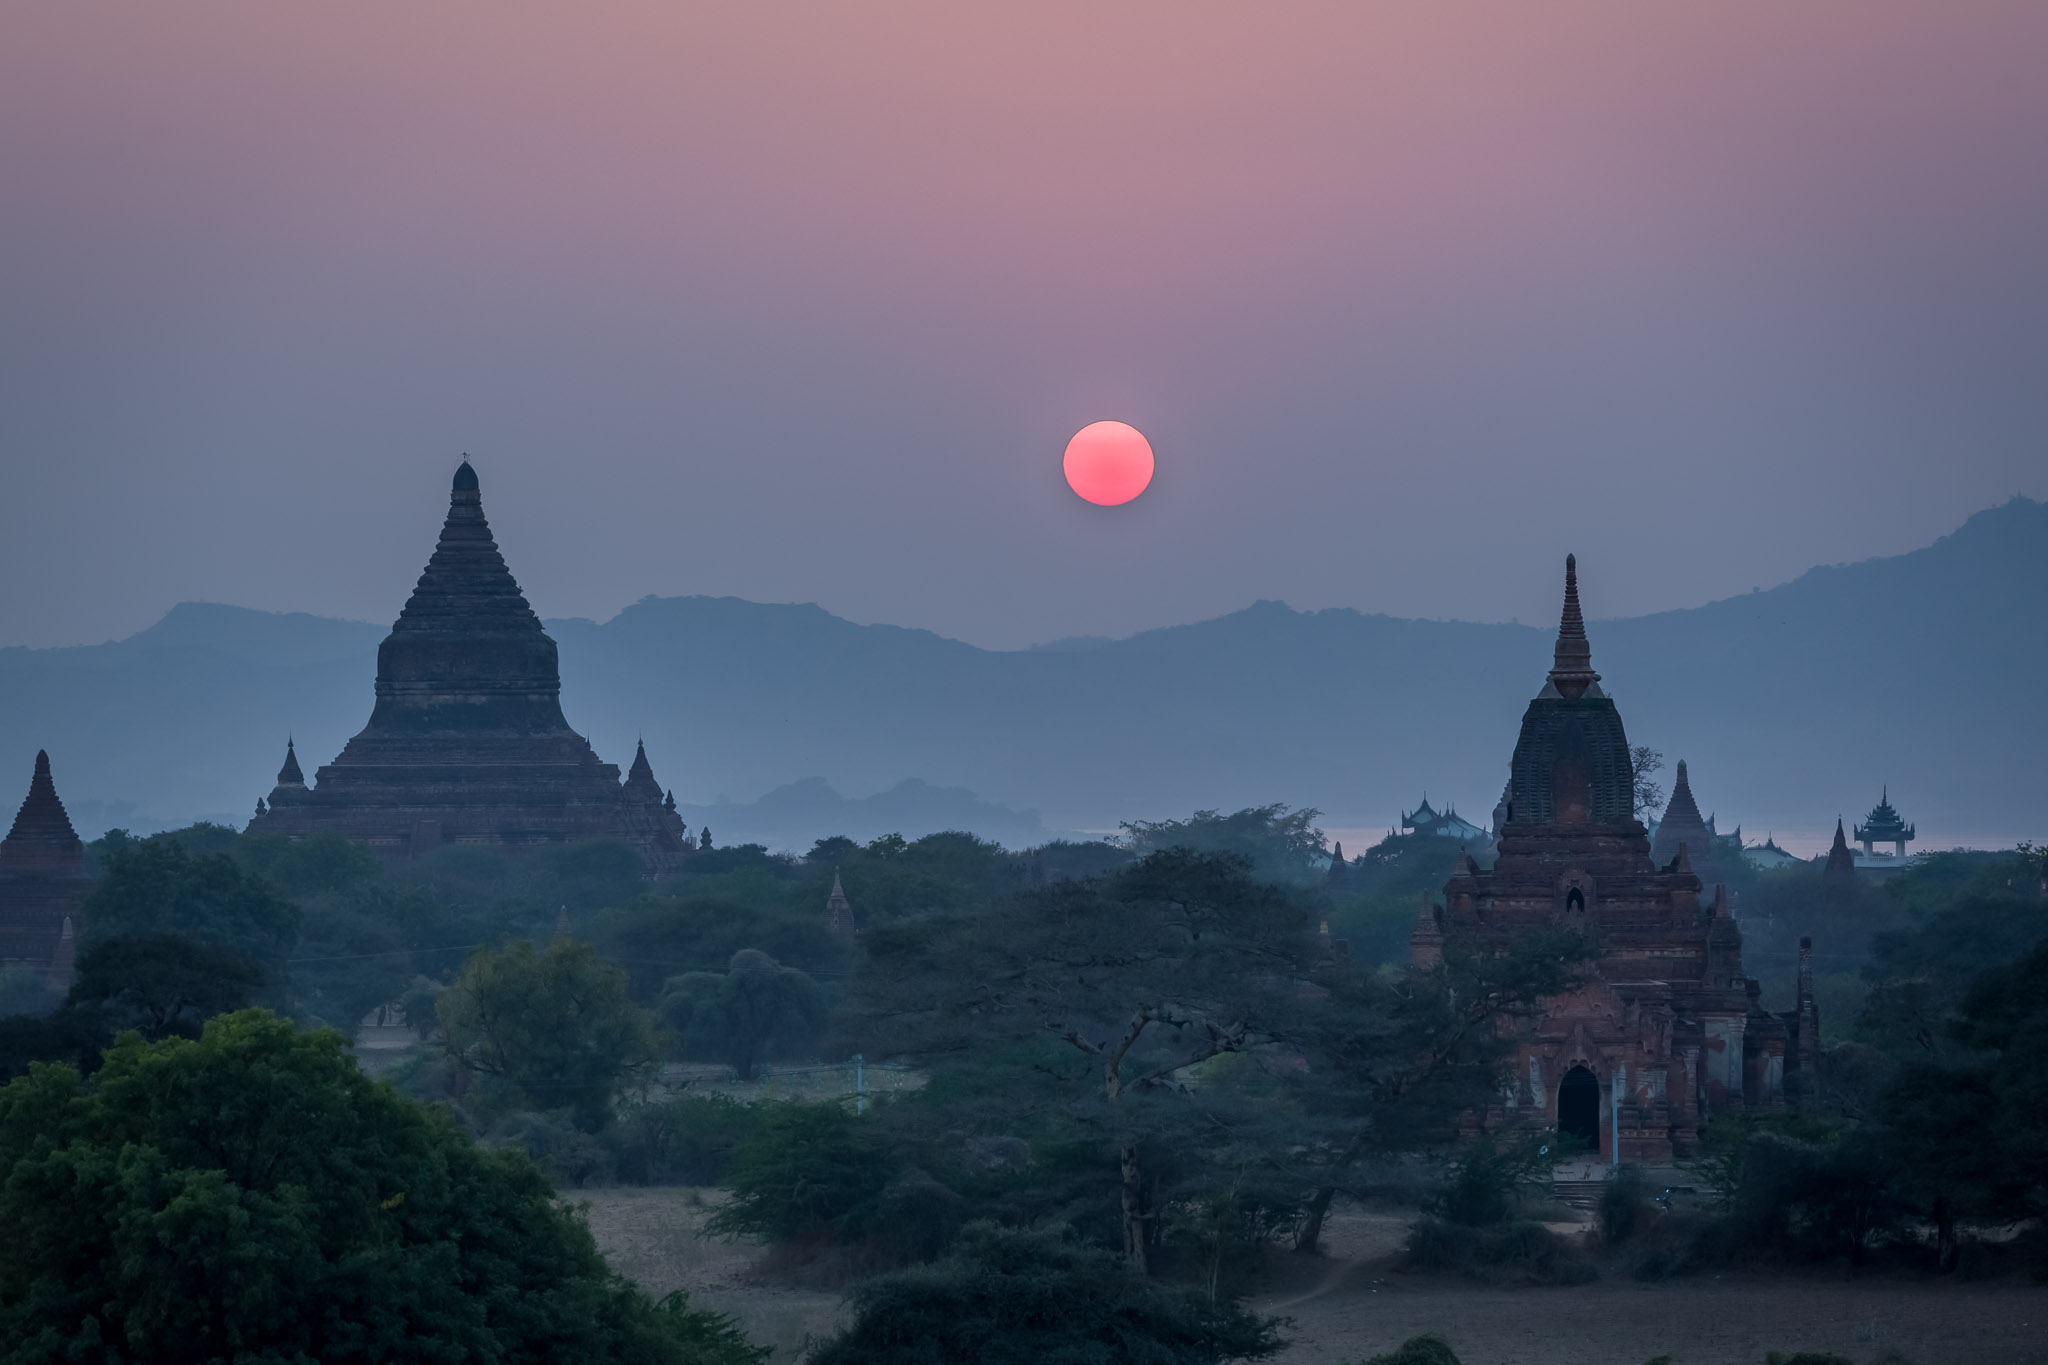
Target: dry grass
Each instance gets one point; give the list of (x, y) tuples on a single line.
[(655, 1237), (1352, 1302)]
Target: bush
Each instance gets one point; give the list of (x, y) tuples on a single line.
[(1492, 1176), (1625, 1207), (1519, 1253), (1807, 1358), (1021, 1298), (806, 1169), (686, 1141)]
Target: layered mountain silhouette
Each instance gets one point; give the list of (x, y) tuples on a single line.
[(1926, 670)]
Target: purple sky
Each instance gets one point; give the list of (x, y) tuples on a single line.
[(802, 303)]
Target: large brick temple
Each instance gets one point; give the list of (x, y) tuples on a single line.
[(467, 743), (43, 877), (1669, 1031)]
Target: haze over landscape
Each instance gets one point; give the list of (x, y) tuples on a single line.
[(1793, 704)]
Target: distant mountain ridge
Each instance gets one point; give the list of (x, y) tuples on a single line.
[(1925, 670)]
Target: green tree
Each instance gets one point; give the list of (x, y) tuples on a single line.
[(156, 887), (1970, 1138), (1397, 1057), (557, 1024), (1278, 844), (252, 1196), (754, 1011), (803, 1168), (1107, 999), (164, 985), (1020, 1298)]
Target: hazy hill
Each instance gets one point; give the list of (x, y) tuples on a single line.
[(1925, 670)]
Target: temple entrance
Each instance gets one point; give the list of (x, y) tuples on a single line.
[(1578, 1106)]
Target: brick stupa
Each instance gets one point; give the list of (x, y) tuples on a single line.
[(42, 879), (1682, 827), (467, 743)]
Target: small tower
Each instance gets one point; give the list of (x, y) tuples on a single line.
[(704, 838), (838, 910), (1838, 878), (1338, 880), (42, 878), (1426, 943), (640, 784), (1683, 827), (291, 790)]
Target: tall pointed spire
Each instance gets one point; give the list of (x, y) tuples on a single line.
[(838, 910), (1571, 670), (640, 783), (289, 775), (1838, 878)]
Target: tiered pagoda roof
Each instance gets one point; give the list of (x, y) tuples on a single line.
[(1884, 825), (467, 742)]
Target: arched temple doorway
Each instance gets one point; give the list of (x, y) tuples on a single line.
[(1578, 1106)]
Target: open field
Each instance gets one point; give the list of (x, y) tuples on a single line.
[(1352, 1303)]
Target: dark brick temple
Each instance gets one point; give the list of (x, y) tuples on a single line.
[(1670, 1031), (467, 743)]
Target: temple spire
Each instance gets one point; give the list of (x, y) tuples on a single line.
[(42, 830), (289, 775), (640, 783), (838, 910), (1571, 670)]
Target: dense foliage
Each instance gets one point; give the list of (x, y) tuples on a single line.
[(251, 1195), (557, 1024), (1022, 1298)]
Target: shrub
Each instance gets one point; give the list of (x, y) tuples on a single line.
[(1807, 1358), (1491, 1177), (1020, 1298), (1625, 1207), (805, 1169), (1519, 1253), (685, 1141)]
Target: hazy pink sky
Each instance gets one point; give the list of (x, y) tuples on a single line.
[(803, 302)]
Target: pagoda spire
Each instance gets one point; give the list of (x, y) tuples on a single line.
[(290, 775), (1571, 669), (640, 783), (839, 910), (42, 836)]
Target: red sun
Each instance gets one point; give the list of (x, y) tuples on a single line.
[(1109, 463)]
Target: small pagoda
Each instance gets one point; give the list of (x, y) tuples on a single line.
[(1884, 826), (1683, 827), (43, 877)]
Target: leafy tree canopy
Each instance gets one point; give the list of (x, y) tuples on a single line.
[(756, 1010), (157, 887), (558, 1024), (1278, 844), (1021, 1298), (252, 1196)]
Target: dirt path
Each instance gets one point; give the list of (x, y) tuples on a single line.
[(1353, 1303), (1356, 1304), (654, 1236)]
